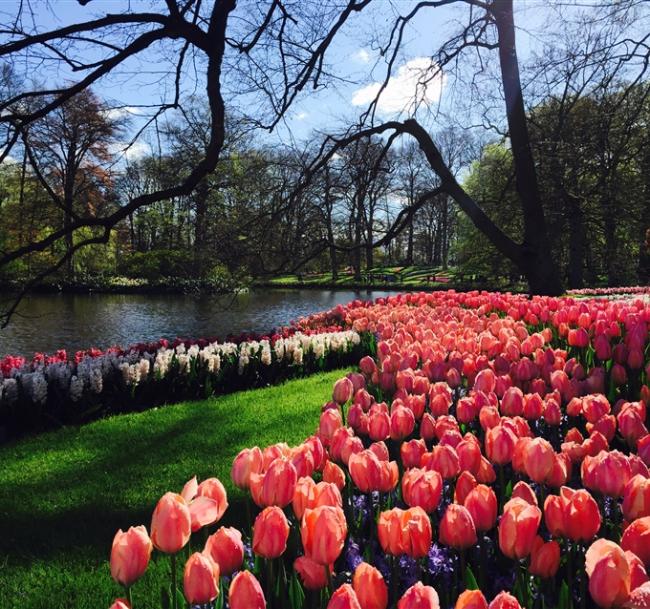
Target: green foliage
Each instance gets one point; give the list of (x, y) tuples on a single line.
[(156, 264)]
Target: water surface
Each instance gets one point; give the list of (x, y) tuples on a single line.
[(47, 322)]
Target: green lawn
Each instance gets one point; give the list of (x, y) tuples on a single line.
[(64, 494)]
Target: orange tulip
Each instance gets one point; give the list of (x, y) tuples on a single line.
[(225, 547), (312, 574), (523, 491), (419, 596), (481, 503), (636, 539), (334, 474), (200, 579), (245, 592), (270, 532), (443, 459), (130, 555), (247, 462), (276, 486), (518, 528), (471, 599), (422, 488), (344, 598), (171, 524), (457, 528), (464, 484), (405, 532), (370, 587), (323, 531), (544, 558)]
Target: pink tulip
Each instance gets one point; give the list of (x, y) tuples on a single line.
[(171, 524), (130, 555)]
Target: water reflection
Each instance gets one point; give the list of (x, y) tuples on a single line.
[(46, 322)]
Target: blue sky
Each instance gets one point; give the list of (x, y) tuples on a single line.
[(351, 57)]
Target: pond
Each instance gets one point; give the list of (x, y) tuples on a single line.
[(47, 322)]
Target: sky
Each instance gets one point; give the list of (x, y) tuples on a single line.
[(354, 57)]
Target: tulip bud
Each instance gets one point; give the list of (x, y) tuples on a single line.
[(270, 533), (370, 587), (245, 592), (419, 596), (171, 524), (312, 574), (130, 555), (457, 528), (225, 547)]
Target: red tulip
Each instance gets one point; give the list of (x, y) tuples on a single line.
[(270, 532), (334, 474), (225, 547), (636, 539), (201, 579), (544, 558), (245, 592), (422, 488), (312, 574), (419, 596), (344, 598), (481, 503), (130, 555), (411, 453), (370, 587), (171, 524), (500, 444), (539, 459), (523, 491), (457, 528), (504, 600), (471, 599), (609, 574)]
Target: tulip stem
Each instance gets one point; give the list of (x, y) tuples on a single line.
[(174, 583), (269, 582), (129, 596), (328, 574)]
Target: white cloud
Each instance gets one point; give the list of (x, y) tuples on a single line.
[(362, 55), (134, 152), (301, 116), (124, 111), (418, 81)]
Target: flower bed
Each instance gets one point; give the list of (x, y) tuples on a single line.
[(53, 390), (610, 291), (493, 454)]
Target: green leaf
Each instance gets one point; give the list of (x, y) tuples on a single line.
[(564, 601), (470, 580), (180, 599)]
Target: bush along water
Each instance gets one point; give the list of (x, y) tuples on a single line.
[(55, 390), (493, 454)]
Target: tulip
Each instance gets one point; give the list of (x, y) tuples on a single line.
[(464, 484), (344, 598), (422, 488), (225, 547), (539, 459), (379, 424), (200, 579), (500, 444), (512, 403), (330, 421), (457, 528), (333, 474), (523, 491), (504, 600), (270, 532), (419, 596), (518, 528), (544, 558), (471, 599), (120, 603), (481, 503), (323, 531), (247, 462), (343, 391), (312, 574), (443, 459), (245, 592), (411, 453), (402, 423), (636, 498), (609, 574), (212, 488), (171, 524), (636, 539), (370, 587), (276, 486), (130, 555)]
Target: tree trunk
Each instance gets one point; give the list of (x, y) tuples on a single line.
[(536, 261), (577, 239)]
